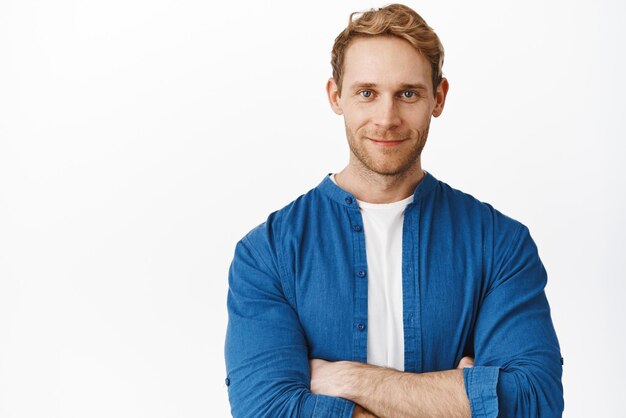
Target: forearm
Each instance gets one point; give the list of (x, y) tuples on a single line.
[(390, 393)]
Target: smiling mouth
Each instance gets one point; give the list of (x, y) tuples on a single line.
[(386, 143)]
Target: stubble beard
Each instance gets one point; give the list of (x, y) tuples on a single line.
[(396, 164)]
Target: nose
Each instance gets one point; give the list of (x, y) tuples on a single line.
[(386, 113)]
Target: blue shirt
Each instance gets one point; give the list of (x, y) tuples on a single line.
[(472, 281)]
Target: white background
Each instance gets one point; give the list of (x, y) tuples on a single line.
[(139, 140)]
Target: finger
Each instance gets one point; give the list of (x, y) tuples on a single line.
[(466, 362)]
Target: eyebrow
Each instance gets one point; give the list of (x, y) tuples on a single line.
[(417, 86), (405, 86)]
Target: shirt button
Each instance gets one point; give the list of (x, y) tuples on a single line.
[(360, 327), (361, 273), (349, 200), (356, 228), (227, 381)]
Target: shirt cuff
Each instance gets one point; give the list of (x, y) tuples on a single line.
[(328, 406), (480, 385)]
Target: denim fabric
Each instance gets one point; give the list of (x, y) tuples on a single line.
[(473, 284)]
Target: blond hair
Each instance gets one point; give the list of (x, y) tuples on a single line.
[(392, 20)]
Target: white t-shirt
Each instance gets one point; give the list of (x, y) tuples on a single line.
[(382, 225)]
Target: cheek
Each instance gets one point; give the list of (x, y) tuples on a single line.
[(418, 117), (355, 117), (352, 124)]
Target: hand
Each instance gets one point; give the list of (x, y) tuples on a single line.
[(466, 362), (360, 412), (324, 377)]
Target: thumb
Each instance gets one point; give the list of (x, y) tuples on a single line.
[(466, 362)]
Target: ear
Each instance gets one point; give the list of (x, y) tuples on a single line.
[(440, 97), (333, 96)]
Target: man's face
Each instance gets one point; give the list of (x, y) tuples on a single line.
[(387, 101)]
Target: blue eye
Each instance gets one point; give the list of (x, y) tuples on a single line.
[(366, 93), (408, 94)]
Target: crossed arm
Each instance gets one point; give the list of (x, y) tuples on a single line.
[(382, 392), (517, 371), (270, 374)]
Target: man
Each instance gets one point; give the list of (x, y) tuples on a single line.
[(383, 291)]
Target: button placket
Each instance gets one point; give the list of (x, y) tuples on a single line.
[(359, 273)]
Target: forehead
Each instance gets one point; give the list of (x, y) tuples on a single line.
[(384, 60)]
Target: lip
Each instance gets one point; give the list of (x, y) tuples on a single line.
[(385, 143)]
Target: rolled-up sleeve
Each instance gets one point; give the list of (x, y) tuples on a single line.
[(266, 351), (518, 367)]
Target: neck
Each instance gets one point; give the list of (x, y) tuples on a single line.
[(372, 187)]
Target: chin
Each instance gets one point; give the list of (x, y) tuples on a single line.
[(393, 169)]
